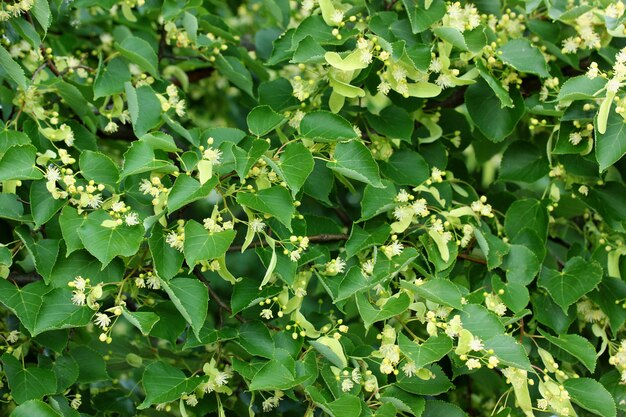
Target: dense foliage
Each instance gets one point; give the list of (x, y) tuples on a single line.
[(344, 208)]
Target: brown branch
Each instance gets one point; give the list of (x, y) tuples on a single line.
[(215, 297), (323, 238), (23, 279), (471, 259)]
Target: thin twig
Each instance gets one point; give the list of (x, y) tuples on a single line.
[(471, 259), (312, 239)]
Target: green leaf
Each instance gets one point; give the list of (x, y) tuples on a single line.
[(18, 163), (508, 351), (495, 84), (524, 57), (30, 383), (436, 408), (527, 213), (324, 126), (581, 88), (191, 298), (139, 52), (524, 162), (403, 401), (432, 350), (141, 158), (272, 376), (41, 11), (12, 208), (392, 307), (110, 79), (393, 122), (164, 383), (186, 190), (421, 18), (441, 291), (13, 69), (575, 345), (378, 200), (521, 265), (144, 108), (70, 222), (485, 110), (32, 408), (42, 205), (611, 144), (331, 349), (438, 384), (346, 406), (106, 243), (353, 160), (262, 120), (165, 259), (161, 141), (406, 167), (255, 338), (236, 72), (274, 201), (44, 251), (41, 308), (577, 278), (591, 395), (296, 163), (481, 322), (514, 295), (98, 167), (278, 94), (200, 245), (143, 320)]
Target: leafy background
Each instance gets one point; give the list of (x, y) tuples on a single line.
[(357, 208)]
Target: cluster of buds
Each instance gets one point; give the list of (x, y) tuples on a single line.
[(298, 245), (172, 101)]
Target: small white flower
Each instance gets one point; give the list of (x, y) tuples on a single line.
[(613, 85), (153, 282), (420, 208), (583, 189), (131, 219), (384, 88), (396, 248), (76, 402), (493, 361), (256, 225), (53, 173), (78, 298), (13, 336), (102, 320), (79, 283), (337, 17), (575, 138), (367, 267), (111, 127), (346, 385), (191, 400), (473, 363), (294, 255), (266, 313), (212, 155), (94, 200), (476, 344), (409, 369), (296, 119), (403, 196), (175, 241), (221, 378)]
